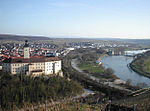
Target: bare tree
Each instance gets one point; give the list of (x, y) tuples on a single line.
[(128, 81), (109, 71)]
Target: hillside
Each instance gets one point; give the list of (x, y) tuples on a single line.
[(137, 41), (5, 37), (142, 64), (141, 101), (131, 41), (19, 90)]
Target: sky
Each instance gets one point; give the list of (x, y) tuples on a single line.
[(76, 18)]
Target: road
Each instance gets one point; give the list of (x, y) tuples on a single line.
[(110, 84), (86, 91)]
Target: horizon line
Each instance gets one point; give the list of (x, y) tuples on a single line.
[(71, 37)]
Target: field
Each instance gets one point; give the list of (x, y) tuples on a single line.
[(141, 64), (90, 68), (146, 66)]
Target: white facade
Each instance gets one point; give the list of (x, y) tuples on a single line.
[(49, 67), (26, 52), (53, 67), (16, 68)]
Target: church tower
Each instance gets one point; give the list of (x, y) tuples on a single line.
[(26, 50)]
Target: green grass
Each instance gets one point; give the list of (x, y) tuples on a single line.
[(90, 68), (94, 70), (139, 70), (142, 67), (147, 66)]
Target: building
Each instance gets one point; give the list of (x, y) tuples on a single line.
[(26, 50), (34, 65)]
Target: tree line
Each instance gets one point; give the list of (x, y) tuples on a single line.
[(17, 90)]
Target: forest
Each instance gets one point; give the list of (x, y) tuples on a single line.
[(18, 90)]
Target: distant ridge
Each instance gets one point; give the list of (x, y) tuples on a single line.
[(133, 41), (22, 37)]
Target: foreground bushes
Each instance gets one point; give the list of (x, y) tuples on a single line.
[(19, 89)]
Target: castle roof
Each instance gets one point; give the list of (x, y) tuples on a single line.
[(30, 60)]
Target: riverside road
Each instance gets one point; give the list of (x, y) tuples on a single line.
[(97, 80)]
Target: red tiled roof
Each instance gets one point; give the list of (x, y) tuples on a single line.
[(5, 56), (32, 59)]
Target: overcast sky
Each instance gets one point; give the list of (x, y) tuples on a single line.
[(76, 18)]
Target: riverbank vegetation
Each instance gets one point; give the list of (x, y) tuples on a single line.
[(142, 64), (87, 82), (90, 68), (110, 93), (18, 90), (87, 63)]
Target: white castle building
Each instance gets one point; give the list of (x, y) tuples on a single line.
[(34, 65)]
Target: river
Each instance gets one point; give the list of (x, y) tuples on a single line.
[(119, 65)]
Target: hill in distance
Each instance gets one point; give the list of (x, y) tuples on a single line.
[(9, 37), (133, 41)]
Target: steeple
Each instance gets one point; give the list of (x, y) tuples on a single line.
[(26, 43), (26, 50)]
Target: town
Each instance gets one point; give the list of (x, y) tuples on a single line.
[(12, 49), (72, 60), (74, 55), (38, 49)]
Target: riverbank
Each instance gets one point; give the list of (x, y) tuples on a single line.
[(119, 65), (107, 75), (96, 70), (141, 64), (99, 81), (103, 55), (138, 71)]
